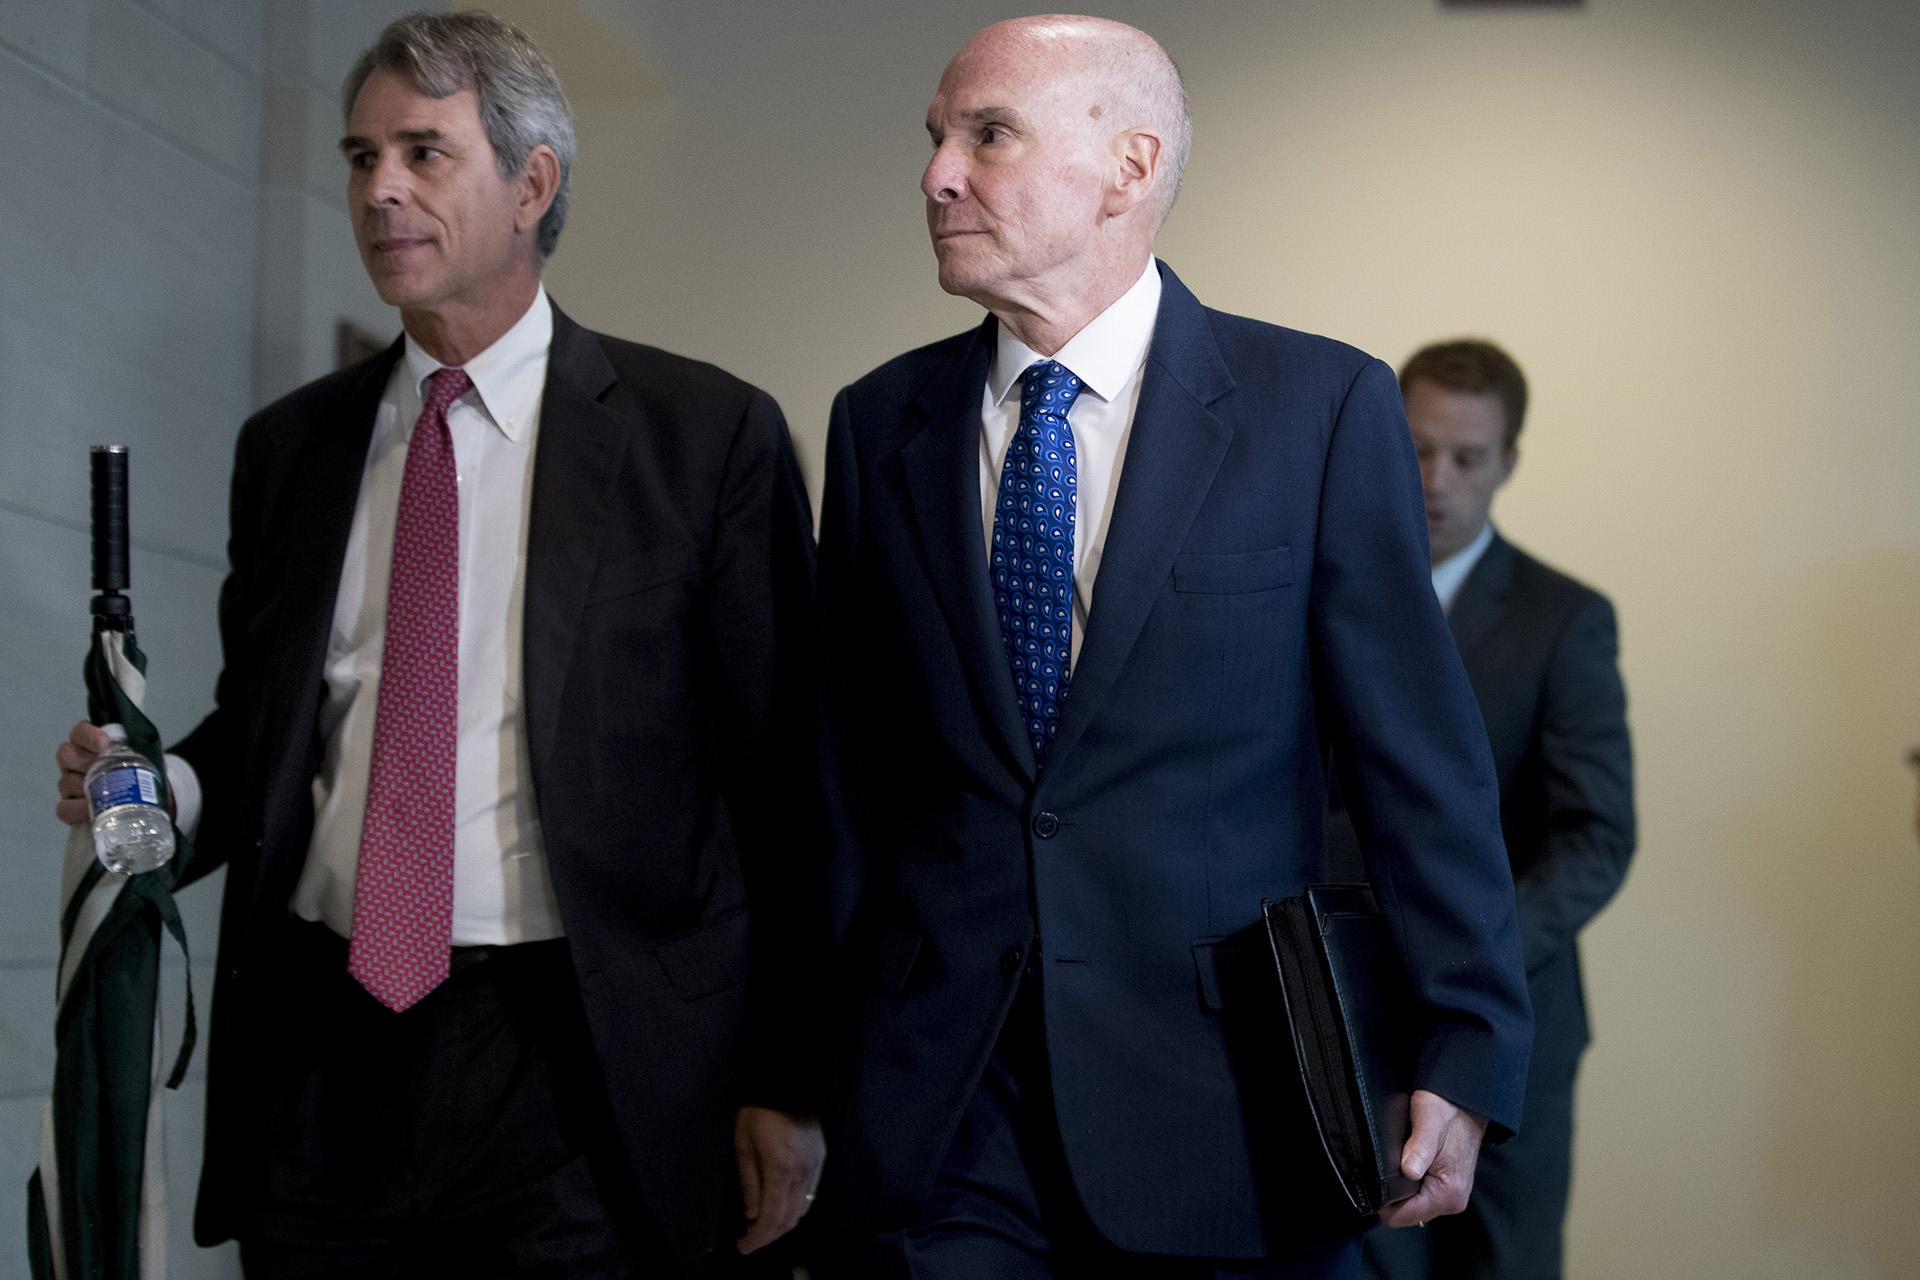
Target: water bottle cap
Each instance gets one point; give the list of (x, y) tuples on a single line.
[(116, 732)]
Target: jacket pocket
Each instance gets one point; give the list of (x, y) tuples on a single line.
[(709, 959), (1206, 966), (1234, 572), (630, 575)]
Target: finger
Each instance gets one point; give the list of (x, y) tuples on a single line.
[(789, 1179), (89, 737), (770, 1225), (1423, 1144), (748, 1160), (1443, 1191), (759, 1236), (780, 1209), (1411, 1212)]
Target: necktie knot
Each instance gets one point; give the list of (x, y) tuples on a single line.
[(444, 386), (1047, 387)]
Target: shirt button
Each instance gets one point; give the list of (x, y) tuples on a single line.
[(1010, 960), (1046, 824)]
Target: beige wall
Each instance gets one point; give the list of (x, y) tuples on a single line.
[(1692, 220)]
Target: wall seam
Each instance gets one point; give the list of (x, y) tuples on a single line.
[(61, 80), (194, 38), (166, 550)]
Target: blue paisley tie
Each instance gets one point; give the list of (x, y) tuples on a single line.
[(1033, 548)]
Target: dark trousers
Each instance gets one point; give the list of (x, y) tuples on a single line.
[(1512, 1226), (468, 1136), (1003, 1206)]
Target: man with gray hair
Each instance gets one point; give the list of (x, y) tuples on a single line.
[(1107, 578), (509, 760)]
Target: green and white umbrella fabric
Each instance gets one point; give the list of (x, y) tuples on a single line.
[(97, 1204)]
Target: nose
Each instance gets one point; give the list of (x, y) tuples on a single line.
[(944, 180), (384, 184)]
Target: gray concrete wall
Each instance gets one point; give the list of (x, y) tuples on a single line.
[(176, 254)]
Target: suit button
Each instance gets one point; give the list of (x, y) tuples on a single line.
[(1010, 960), (1046, 824)]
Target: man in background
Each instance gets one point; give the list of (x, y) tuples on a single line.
[(1104, 576), (509, 760), (1541, 652)]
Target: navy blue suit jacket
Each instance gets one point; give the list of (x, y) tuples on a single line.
[(1263, 596)]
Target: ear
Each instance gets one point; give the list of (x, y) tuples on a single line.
[(539, 180), (1508, 461), (1136, 155)]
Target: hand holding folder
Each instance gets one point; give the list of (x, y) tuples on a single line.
[(1405, 1154)]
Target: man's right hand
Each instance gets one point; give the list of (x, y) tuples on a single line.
[(75, 755)]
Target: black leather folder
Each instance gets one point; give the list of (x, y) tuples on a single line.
[(1349, 1014)]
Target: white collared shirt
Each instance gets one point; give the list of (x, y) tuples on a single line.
[(501, 889), (1108, 356), (1451, 574)]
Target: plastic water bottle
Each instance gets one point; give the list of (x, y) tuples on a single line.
[(131, 830)]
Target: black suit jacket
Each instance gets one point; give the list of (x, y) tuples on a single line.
[(1541, 652), (1262, 594), (667, 678)]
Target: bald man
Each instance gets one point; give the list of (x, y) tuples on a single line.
[(1108, 575)]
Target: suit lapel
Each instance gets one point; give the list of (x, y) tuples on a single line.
[(1173, 453), (942, 467), (575, 464), (1482, 596)]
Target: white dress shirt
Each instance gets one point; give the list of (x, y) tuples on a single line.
[(1108, 356), (501, 890), (1451, 574)]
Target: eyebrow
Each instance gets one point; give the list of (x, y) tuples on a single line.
[(987, 115), (354, 142)]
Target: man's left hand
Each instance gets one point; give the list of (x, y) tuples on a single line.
[(1441, 1153), (780, 1158)]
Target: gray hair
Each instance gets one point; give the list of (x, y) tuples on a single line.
[(1132, 65), (1166, 96), (1135, 65), (522, 104)]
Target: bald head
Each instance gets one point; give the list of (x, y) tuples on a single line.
[(1057, 148), (1117, 75)]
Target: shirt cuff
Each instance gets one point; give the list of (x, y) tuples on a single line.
[(184, 784)]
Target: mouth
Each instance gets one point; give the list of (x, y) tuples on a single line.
[(399, 244)]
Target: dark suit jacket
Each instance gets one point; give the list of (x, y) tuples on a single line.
[(1541, 652), (668, 682), (1263, 593)]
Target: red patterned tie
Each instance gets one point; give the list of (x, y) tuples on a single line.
[(403, 892)]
